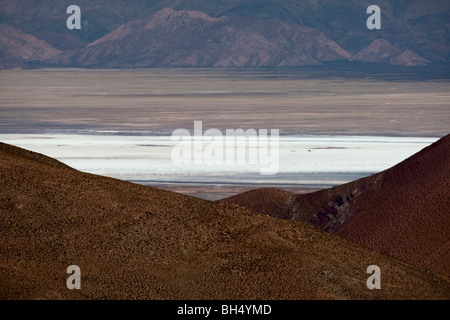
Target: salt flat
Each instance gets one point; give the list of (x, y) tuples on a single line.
[(295, 101), (118, 123), (306, 161)]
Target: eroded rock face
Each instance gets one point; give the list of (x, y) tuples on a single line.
[(409, 58), (402, 211), (417, 30), (17, 47), (381, 51), (194, 39)]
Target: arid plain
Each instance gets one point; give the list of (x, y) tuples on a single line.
[(161, 100), (138, 242), (154, 102)]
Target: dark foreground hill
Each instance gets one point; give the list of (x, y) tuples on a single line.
[(136, 242), (403, 212)]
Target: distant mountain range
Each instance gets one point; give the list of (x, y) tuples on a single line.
[(230, 33)]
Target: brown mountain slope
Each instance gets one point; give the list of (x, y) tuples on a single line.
[(194, 39), (382, 51), (17, 47), (419, 26), (403, 212), (270, 201), (24, 154), (136, 242), (408, 214)]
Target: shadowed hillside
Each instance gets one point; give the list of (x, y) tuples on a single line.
[(137, 242), (403, 212), (271, 201)]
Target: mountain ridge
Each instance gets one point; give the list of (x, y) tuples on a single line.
[(172, 38), (17, 48), (402, 211), (137, 242), (418, 30)]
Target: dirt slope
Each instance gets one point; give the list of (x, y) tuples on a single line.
[(403, 212), (408, 213), (271, 201), (136, 242)]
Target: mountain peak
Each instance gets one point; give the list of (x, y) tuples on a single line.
[(402, 211), (171, 38), (180, 247), (17, 46), (382, 51), (169, 13), (415, 35)]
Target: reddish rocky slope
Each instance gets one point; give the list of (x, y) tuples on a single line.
[(403, 212), (17, 47)]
